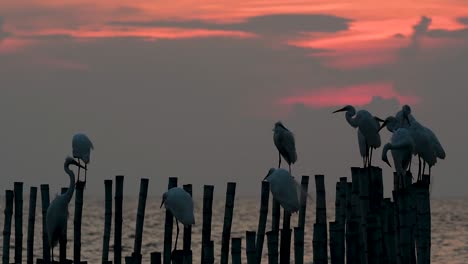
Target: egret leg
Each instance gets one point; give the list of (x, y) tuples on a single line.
[(79, 163), (52, 254), (367, 155), (290, 169), (424, 169), (177, 236), (86, 170), (279, 160), (370, 159), (419, 166)]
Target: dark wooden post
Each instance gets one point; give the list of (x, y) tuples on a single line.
[(207, 213), (188, 233), (272, 238), (31, 222), (118, 219), (299, 234), (45, 240), (250, 247), (168, 227), (155, 257), (63, 239), (424, 221), (320, 236), (107, 220), (77, 222), (136, 256), (236, 250), (265, 196), (228, 212), (18, 188), (9, 196)]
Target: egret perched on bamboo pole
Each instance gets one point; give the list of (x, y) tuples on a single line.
[(180, 204), (284, 189), (368, 131), (284, 142), (82, 147), (57, 212)]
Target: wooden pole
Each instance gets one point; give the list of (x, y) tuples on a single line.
[(207, 213), (208, 255), (250, 247), (187, 233), (77, 222), (320, 236), (31, 222), (404, 228), (285, 242), (168, 227), (351, 232), (275, 215), (272, 238), (140, 218), (388, 229), (9, 196), (236, 250), (298, 245), (299, 234), (107, 220), (45, 240), (228, 212), (63, 239), (424, 221), (334, 241), (118, 219), (155, 257), (355, 236), (18, 188), (364, 181), (374, 238), (264, 201), (341, 220)]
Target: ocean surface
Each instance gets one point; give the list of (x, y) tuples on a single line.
[(449, 228)]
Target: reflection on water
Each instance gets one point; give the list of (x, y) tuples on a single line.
[(449, 228)]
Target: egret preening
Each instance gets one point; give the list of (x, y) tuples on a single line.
[(82, 147), (284, 189), (368, 131), (402, 148), (284, 142), (180, 204), (57, 212)]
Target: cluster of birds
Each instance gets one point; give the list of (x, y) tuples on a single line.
[(409, 138)]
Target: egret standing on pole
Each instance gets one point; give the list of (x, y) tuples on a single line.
[(368, 126), (284, 142), (82, 147), (180, 204), (57, 212), (284, 189)]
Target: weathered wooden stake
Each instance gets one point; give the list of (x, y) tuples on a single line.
[(107, 220), (299, 235), (31, 222), (334, 242), (424, 221), (285, 242), (207, 213), (18, 188), (168, 227), (275, 215), (45, 239), (228, 212), (388, 229), (9, 196), (341, 220), (187, 243), (136, 255), (155, 257), (236, 250), (77, 222), (298, 245), (250, 247), (208, 254), (63, 239), (264, 201), (364, 181), (352, 237), (404, 227), (320, 236), (118, 220), (374, 238), (272, 238)]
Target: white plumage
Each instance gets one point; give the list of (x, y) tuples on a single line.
[(284, 142), (368, 131), (82, 147), (57, 212), (284, 189), (180, 204)]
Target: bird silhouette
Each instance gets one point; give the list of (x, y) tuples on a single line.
[(284, 189), (82, 147), (57, 212), (368, 131), (180, 204), (284, 142)]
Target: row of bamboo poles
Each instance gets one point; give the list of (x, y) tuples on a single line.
[(367, 227)]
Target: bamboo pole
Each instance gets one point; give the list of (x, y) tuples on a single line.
[(374, 240), (364, 181), (107, 220), (320, 236), (272, 238), (298, 245), (63, 239), (285, 242), (168, 227), (118, 220), (177, 256), (9, 196), (207, 214), (264, 201), (250, 247), (388, 229), (404, 228), (45, 240), (351, 235), (275, 215), (236, 250), (77, 222), (140, 219), (334, 242), (187, 243), (18, 188), (155, 257), (228, 212), (31, 222), (208, 255), (424, 221), (341, 220)]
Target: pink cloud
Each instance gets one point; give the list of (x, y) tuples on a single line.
[(358, 95)]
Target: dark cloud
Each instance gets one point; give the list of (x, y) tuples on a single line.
[(269, 24), (419, 30), (463, 20), (3, 33), (443, 33)]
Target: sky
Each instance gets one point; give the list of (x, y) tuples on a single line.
[(192, 89)]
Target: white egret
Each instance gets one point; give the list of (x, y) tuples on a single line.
[(284, 142), (82, 147), (180, 204), (57, 212), (368, 131), (284, 189), (402, 148)]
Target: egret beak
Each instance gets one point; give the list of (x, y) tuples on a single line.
[(407, 120), (74, 162), (388, 163), (383, 125), (378, 119), (164, 199), (340, 110), (266, 177)]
